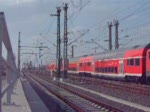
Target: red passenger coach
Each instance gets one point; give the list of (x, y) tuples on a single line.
[(134, 62), (47, 67), (51, 67), (73, 65), (86, 65), (109, 64), (107, 67), (137, 63), (128, 63)]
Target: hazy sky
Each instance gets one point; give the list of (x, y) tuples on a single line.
[(87, 19)]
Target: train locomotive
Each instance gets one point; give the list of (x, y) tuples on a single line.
[(127, 63)]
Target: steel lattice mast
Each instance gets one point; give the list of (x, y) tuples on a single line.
[(65, 41), (116, 23), (110, 35), (58, 42)]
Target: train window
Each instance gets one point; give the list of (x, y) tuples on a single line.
[(96, 69), (116, 69), (80, 64), (132, 61), (102, 70), (111, 69), (89, 63), (105, 69), (99, 69), (75, 69), (128, 61), (137, 62)]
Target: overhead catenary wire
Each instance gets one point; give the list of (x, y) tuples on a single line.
[(90, 32), (135, 12), (136, 4), (85, 34)]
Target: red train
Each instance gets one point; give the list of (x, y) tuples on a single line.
[(51, 67), (128, 63)]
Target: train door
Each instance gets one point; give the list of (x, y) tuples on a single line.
[(121, 67), (93, 66), (85, 66), (148, 63), (78, 66)]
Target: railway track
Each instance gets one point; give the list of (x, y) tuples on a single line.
[(117, 85), (74, 98)]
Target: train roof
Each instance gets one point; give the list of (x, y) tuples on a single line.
[(119, 53), (110, 54), (75, 58)]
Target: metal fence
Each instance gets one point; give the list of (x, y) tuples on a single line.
[(9, 63)]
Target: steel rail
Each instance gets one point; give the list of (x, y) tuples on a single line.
[(77, 108), (119, 86), (87, 97)]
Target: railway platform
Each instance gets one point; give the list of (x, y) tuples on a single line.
[(24, 99)]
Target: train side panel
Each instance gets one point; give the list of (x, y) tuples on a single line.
[(86, 65), (107, 67), (73, 67), (134, 62)]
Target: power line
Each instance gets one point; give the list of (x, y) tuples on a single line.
[(133, 13), (78, 37), (137, 26)]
